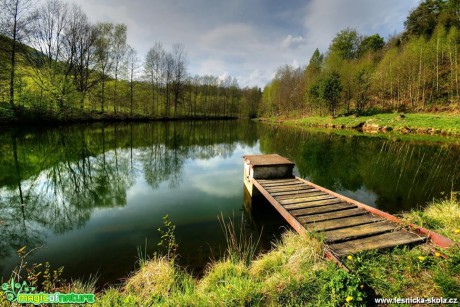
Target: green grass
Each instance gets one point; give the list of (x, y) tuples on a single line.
[(440, 123)]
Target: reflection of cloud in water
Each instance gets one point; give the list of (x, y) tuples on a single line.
[(362, 194), (217, 183), (212, 176)]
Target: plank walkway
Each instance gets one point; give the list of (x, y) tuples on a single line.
[(348, 226)]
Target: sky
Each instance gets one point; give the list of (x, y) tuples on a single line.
[(247, 39)]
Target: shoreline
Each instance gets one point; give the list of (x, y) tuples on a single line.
[(411, 123)]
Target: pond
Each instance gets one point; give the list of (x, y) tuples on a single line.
[(90, 195)]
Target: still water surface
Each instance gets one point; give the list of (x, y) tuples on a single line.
[(90, 195)]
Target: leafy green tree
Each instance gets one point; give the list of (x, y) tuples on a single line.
[(346, 43), (371, 43), (330, 91), (312, 73), (424, 18)]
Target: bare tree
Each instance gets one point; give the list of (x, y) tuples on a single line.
[(79, 42), (179, 58), (118, 52), (132, 64), (15, 20), (154, 64), (53, 65), (103, 55), (168, 74)]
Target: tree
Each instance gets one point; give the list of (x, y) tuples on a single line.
[(330, 90), (132, 64), (153, 70), (15, 20), (53, 65), (104, 61), (168, 75), (79, 42), (346, 43), (312, 73), (118, 53), (369, 44), (424, 18), (363, 82), (179, 58)]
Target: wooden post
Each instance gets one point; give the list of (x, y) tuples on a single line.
[(265, 167)]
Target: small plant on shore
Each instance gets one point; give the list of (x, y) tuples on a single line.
[(27, 278), (346, 288), (167, 245)]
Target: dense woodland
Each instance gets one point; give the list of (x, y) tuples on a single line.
[(54, 62), (417, 70)]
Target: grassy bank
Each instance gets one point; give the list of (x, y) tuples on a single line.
[(436, 124), (295, 273)]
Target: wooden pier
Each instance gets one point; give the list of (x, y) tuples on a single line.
[(346, 225)]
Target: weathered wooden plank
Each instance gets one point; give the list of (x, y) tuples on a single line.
[(265, 181), (306, 193), (386, 240), (294, 197), (306, 199), (311, 204), (331, 215), (322, 209), (343, 222), (278, 184), (359, 231), (288, 188), (299, 190)]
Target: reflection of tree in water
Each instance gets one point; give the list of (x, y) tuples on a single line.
[(402, 174), (53, 180)]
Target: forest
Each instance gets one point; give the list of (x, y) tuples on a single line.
[(414, 71), (55, 64)]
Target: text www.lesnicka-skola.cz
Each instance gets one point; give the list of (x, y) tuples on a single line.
[(417, 300)]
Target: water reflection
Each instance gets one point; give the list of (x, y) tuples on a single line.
[(390, 174), (92, 194), (54, 183)]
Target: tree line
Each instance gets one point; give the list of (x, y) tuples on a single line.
[(53, 60), (417, 70)]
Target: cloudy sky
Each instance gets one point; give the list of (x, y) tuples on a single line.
[(247, 39)]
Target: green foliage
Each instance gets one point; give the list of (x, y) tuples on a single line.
[(414, 71), (344, 288), (330, 90), (423, 19), (346, 44), (371, 43), (167, 244)]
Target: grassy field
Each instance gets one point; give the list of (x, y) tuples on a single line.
[(295, 273), (440, 123)]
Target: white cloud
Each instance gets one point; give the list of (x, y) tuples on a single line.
[(292, 42)]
